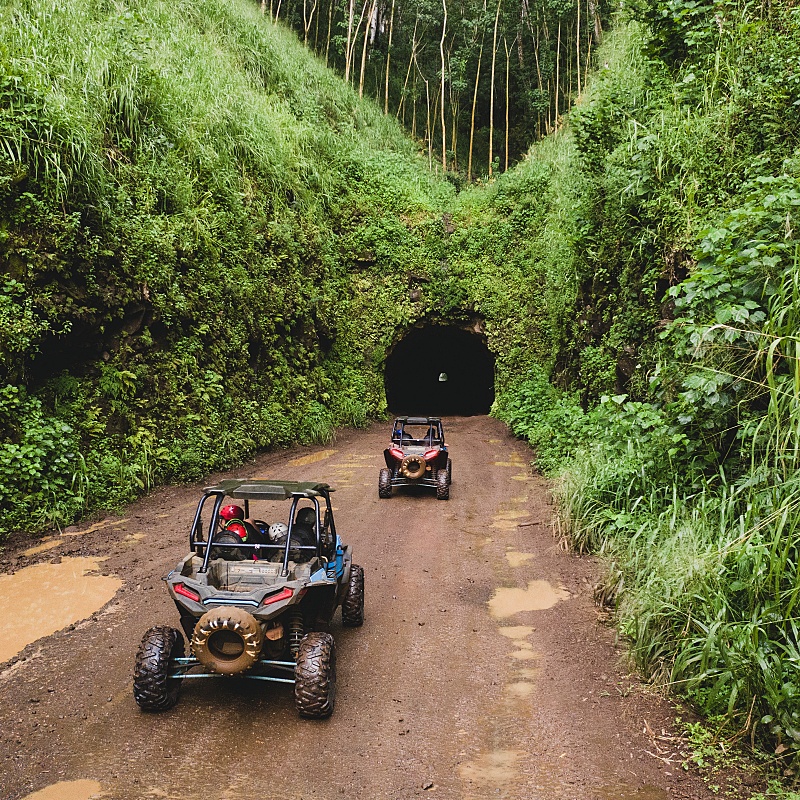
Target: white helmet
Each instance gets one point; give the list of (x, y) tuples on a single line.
[(277, 531)]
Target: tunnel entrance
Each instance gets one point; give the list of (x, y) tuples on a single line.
[(440, 370)]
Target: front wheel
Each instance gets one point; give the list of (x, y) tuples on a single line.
[(353, 603), (442, 485), (385, 483), (153, 688), (315, 676)]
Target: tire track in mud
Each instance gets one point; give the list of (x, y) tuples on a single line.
[(480, 672)]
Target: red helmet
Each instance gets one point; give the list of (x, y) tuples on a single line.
[(238, 528), (231, 512)]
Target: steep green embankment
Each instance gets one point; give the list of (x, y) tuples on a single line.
[(678, 435), (208, 246), (205, 247)]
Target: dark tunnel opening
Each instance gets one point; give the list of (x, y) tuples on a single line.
[(440, 371)]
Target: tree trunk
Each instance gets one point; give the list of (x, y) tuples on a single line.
[(598, 30), (367, 28), (388, 57), (307, 21), (441, 54), (328, 37), (472, 117), (558, 65), (578, 46), (427, 115), (491, 91), (350, 14), (402, 105), (508, 55), (355, 35), (414, 109)]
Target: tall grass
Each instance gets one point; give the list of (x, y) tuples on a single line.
[(705, 577)]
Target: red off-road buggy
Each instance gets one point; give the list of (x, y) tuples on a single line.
[(417, 456)]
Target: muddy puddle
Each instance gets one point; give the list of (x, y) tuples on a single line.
[(98, 526), (46, 544), (513, 461), (312, 458), (44, 598), (539, 596), (516, 631), (496, 768), (627, 792), (519, 690), (67, 790), (518, 559)]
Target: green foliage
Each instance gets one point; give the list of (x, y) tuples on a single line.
[(41, 473), (201, 244), (686, 313)]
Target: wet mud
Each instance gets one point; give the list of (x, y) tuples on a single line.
[(68, 790), (481, 671), (44, 598)]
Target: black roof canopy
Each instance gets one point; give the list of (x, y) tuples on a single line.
[(418, 420), (260, 489)]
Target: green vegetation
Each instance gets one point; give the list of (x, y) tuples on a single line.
[(208, 244), (475, 81), (675, 431), (204, 240)]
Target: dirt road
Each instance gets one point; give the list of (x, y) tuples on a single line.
[(481, 670)]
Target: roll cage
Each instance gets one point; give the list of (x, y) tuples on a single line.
[(434, 436), (247, 490)]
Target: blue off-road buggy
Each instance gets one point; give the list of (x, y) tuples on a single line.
[(256, 599), (417, 456)]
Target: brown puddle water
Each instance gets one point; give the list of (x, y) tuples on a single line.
[(511, 514), (310, 459), (98, 526), (524, 655), (44, 598), (67, 790), (539, 595), (514, 460), (504, 525), (516, 631), (519, 690), (518, 559), (497, 767), (46, 544), (628, 792)]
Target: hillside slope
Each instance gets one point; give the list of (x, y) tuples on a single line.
[(205, 238), (674, 429)]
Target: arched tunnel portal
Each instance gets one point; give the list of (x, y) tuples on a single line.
[(440, 370)]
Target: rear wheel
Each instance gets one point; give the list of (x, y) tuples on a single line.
[(153, 689), (385, 483), (353, 603), (315, 676), (442, 485), (449, 471)]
